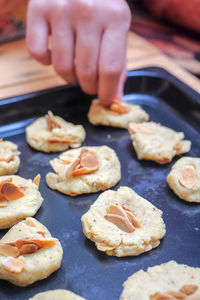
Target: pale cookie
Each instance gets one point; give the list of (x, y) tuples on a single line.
[(121, 223), (84, 170), (19, 198), (169, 281), (117, 115), (57, 295), (184, 179), (52, 134), (153, 141), (28, 253), (9, 158)]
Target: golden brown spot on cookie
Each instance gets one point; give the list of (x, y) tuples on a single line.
[(86, 163), (138, 128), (8, 250), (122, 217), (178, 146), (119, 108), (11, 191), (14, 265), (189, 289), (51, 121), (188, 177), (101, 246), (36, 180), (164, 160), (177, 295)]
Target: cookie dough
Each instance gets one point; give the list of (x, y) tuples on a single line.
[(153, 141), (19, 198), (9, 158), (28, 253), (57, 295), (184, 179), (117, 115), (84, 170), (169, 281), (121, 223), (52, 134)]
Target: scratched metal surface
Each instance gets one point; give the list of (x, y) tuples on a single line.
[(84, 269)]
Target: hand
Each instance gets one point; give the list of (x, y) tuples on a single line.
[(88, 42)]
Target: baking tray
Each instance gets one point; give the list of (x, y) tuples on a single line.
[(85, 270)]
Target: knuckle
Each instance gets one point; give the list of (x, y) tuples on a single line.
[(63, 71), (87, 73), (85, 9), (121, 13), (58, 7), (111, 71), (37, 53)]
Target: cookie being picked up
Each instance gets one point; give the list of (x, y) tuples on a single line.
[(153, 141), (121, 223), (184, 179), (9, 158), (118, 114), (84, 170), (53, 134)]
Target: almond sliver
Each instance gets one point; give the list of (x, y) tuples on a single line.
[(51, 121), (29, 248), (121, 222), (178, 146), (177, 295), (36, 180), (58, 140), (11, 191), (116, 209), (8, 250), (137, 128), (14, 265), (104, 247), (189, 289), (133, 219), (120, 108), (188, 177), (89, 160)]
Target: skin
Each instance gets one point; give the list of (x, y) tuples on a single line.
[(88, 42)]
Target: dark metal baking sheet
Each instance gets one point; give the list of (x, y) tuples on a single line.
[(84, 269)]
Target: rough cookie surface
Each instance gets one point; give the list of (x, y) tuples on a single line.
[(161, 279), (9, 158), (184, 179), (41, 136), (13, 211), (112, 238), (57, 295), (105, 176), (101, 115), (37, 265), (153, 141)]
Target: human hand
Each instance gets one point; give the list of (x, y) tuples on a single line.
[(88, 42)]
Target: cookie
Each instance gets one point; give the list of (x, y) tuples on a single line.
[(9, 158), (57, 295), (169, 281), (153, 141), (121, 223), (19, 198), (119, 114), (28, 253), (52, 134), (84, 170), (184, 179)]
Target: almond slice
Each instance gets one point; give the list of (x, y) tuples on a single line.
[(189, 289), (58, 140), (119, 108), (101, 246), (177, 295), (39, 242), (67, 162), (51, 121), (8, 250), (29, 248), (188, 177), (14, 265), (163, 160), (42, 233), (138, 128), (116, 209), (132, 219), (160, 296), (121, 222), (31, 222), (36, 180), (11, 191)]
